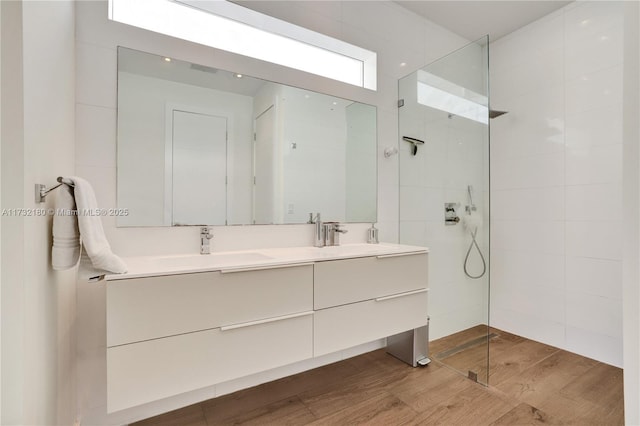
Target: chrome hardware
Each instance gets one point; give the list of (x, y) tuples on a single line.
[(450, 214), (319, 237), (332, 231), (326, 233), (372, 235), (41, 190), (470, 207), (205, 236)]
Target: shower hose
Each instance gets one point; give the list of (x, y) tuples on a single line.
[(466, 259)]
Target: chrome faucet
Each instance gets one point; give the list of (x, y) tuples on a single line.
[(205, 236), (319, 237), (332, 231)]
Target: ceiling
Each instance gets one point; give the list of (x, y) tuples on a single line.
[(474, 19)]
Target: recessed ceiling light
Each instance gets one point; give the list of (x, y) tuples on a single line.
[(403, 64), (335, 103), (167, 59), (239, 75)]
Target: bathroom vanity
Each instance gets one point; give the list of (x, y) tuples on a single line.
[(180, 323)]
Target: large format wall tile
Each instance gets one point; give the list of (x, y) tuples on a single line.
[(556, 164)]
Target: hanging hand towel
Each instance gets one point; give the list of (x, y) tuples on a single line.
[(66, 236), (93, 239)]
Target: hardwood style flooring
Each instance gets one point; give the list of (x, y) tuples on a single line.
[(530, 383)]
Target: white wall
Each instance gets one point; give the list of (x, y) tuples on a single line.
[(556, 164), (38, 381), (406, 38), (631, 204)]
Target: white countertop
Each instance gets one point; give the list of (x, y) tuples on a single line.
[(149, 266)]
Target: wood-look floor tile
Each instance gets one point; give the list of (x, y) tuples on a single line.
[(509, 359), (234, 404), (192, 415), (593, 398), (290, 411), (382, 409), (534, 384), (474, 359), (443, 384), (568, 411), (531, 383), (440, 345), (325, 400), (524, 414), (601, 385), (506, 336), (475, 405)]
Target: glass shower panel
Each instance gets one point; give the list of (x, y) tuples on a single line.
[(444, 199)]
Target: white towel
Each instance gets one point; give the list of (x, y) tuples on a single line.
[(93, 239), (66, 236)]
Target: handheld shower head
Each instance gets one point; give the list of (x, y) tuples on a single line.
[(470, 207)]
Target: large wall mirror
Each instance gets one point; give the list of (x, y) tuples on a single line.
[(203, 146)]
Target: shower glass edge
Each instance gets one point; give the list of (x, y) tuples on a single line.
[(444, 199)]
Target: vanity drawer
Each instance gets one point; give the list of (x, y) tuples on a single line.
[(346, 326), (340, 282), (147, 371), (148, 308)]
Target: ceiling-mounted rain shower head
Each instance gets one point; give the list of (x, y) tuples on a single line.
[(415, 142), (495, 113)]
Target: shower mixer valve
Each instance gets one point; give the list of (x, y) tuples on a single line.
[(450, 215)]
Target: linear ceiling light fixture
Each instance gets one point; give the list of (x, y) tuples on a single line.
[(234, 28)]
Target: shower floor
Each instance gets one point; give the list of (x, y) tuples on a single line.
[(467, 350)]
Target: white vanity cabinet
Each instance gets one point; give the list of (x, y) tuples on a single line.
[(172, 333), (364, 299), (148, 308)]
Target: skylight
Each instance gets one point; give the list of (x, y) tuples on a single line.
[(438, 93), (228, 26)]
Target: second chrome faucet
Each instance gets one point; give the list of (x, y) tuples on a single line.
[(326, 233)]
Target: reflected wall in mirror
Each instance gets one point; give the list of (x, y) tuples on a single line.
[(203, 146)]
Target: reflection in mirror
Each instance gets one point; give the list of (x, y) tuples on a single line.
[(203, 146)]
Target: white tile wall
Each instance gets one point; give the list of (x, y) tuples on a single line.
[(557, 180), (394, 33)]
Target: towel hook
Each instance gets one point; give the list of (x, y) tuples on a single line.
[(41, 190)]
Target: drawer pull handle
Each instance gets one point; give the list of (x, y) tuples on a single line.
[(395, 296), (413, 253), (263, 268), (264, 321)]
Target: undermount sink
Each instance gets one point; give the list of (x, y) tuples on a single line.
[(204, 260)]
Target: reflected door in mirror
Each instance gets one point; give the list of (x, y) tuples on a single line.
[(199, 146)]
